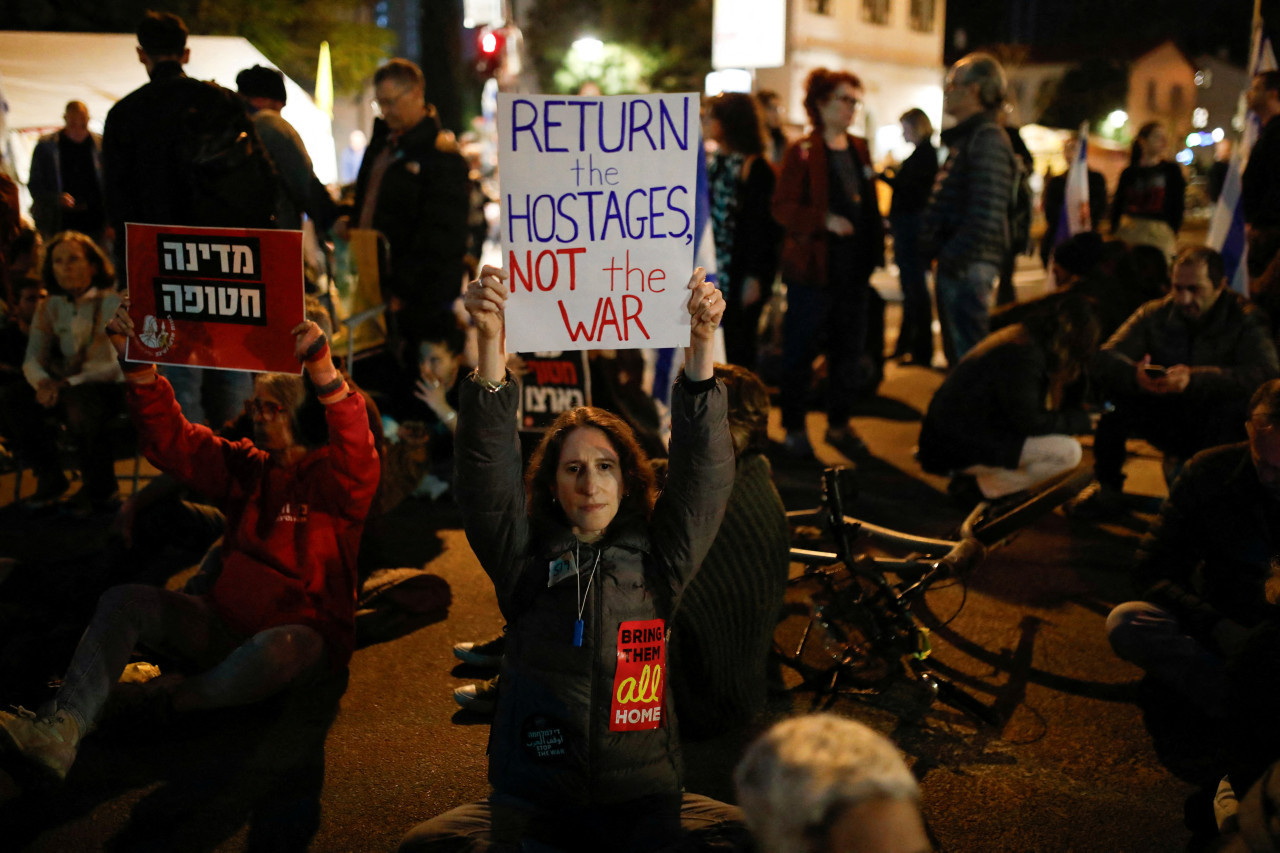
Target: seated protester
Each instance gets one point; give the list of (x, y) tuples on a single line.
[(1074, 261), (72, 367), (588, 570), (998, 422), (282, 610), (827, 784), (427, 405), (20, 418), (1179, 373), (1206, 565), (724, 627)]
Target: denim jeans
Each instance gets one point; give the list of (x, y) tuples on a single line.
[(964, 306), (235, 671), (208, 396)]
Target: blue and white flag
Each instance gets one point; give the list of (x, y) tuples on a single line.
[(1226, 229), (1076, 214), (667, 361)]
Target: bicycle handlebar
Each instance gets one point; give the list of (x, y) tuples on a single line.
[(961, 559)]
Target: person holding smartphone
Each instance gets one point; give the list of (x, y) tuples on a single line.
[(1179, 372)]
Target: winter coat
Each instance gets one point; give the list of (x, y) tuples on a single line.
[(560, 738), (292, 533), (422, 206), (1229, 349), (967, 219), (801, 204)]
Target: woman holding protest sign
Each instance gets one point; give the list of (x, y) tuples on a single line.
[(588, 567), (826, 202)]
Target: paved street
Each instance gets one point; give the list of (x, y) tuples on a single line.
[(1071, 766)]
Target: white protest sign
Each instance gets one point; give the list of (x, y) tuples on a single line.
[(598, 198)]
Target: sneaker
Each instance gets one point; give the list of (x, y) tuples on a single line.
[(796, 444), (847, 442), (47, 743), (1096, 502), (481, 697), (482, 654), (1225, 806)]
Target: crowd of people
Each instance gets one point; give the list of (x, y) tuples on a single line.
[(618, 557)]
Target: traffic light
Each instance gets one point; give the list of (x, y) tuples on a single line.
[(491, 46)]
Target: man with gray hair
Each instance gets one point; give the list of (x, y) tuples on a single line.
[(966, 225), (824, 783)]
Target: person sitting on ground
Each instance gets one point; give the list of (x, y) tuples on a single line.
[(72, 367), (281, 611), (17, 398), (588, 569), (424, 415), (828, 784), (1209, 595), (1179, 373), (724, 627), (999, 422)]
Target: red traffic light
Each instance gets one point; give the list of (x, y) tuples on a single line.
[(488, 43)]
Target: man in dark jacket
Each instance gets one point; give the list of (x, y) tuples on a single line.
[(413, 188), (966, 225), (66, 178), (1179, 372), (300, 190), (152, 146)]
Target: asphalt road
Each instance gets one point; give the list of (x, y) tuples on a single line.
[(1070, 767)]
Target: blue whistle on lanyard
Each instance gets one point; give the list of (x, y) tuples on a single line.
[(577, 633)]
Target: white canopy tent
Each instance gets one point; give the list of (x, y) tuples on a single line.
[(41, 72)]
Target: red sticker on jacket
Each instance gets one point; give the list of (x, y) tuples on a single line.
[(638, 681)]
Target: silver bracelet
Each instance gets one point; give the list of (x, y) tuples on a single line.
[(486, 383)]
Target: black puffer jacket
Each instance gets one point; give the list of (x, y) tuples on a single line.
[(967, 219), (551, 741), (1229, 350)]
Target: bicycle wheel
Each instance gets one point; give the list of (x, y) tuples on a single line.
[(830, 632)]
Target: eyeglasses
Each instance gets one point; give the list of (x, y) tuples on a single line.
[(383, 103), (265, 409), (847, 99)]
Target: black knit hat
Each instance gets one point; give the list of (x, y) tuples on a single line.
[(162, 34), (261, 82)]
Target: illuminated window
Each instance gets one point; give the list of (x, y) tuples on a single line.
[(820, 7), (922, 15), (876, 12)]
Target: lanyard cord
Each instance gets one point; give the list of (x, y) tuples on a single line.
[(582, 599)]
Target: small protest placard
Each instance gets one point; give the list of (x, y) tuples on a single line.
[(555, 382), (598, 204), (638, 686), (215, 297)]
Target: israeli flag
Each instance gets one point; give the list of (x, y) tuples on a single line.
[(665, 362), (1226, 228), (1076, 215)]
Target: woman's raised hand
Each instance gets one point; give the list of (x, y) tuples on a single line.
[(486, 300), (706, 308)]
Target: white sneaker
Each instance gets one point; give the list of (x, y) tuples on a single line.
[(1225, 806)]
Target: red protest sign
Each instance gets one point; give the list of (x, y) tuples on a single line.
[(215, 297), (554, 382), (638, 681)]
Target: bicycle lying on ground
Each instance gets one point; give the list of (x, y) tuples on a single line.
[(847, 629)]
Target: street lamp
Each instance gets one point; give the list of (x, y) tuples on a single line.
[(1117, 118), (589, 48)]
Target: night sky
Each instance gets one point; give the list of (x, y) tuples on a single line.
[(1057, 29)]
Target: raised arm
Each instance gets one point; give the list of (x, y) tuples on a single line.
[(706, 307), (488, 475)]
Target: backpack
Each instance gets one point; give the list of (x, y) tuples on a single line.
[(230, 180)]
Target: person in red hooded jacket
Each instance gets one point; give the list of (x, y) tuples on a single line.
[(282, 609)]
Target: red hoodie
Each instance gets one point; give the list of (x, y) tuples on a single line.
[(292, 532)]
